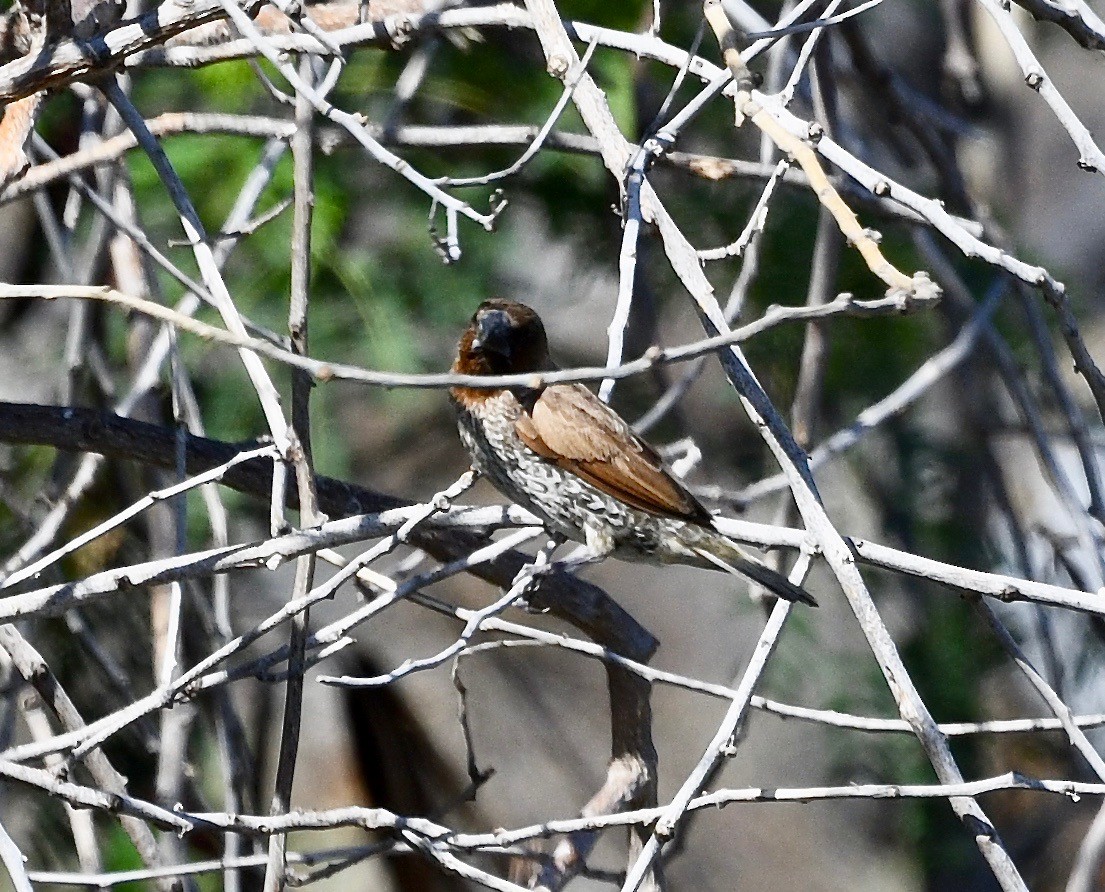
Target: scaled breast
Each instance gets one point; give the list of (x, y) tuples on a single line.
[(566, 501)]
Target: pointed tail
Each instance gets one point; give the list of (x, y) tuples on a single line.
[(774, 582)]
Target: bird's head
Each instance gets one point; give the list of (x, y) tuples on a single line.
[(503, 338)]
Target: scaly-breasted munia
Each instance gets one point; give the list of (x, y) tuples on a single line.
[(561, 452)]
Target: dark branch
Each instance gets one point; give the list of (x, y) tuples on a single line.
[(585, 606)]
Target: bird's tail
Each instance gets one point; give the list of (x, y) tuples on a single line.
[(773, 581)]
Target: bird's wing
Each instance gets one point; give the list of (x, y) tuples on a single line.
[(571, 427)]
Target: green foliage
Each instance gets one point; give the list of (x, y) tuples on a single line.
[(119, 854)]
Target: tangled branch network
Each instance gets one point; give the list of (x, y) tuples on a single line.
[(186, 680)]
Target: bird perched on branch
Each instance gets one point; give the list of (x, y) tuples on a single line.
[(565, 455)]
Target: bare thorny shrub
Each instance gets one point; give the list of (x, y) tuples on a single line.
[(812, 140)]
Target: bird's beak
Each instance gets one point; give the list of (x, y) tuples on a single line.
[(494, 332)]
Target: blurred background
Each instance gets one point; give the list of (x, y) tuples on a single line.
[(958, 476)]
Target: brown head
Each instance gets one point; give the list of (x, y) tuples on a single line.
[(503, 338)]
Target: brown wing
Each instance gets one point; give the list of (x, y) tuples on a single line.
[(573, 428)]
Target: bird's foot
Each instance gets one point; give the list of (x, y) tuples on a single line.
[(530, 575), (578, 559)]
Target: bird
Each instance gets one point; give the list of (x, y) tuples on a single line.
[(564, 454)]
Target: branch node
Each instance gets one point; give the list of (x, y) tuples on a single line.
[(557, 65), (399, 30)]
